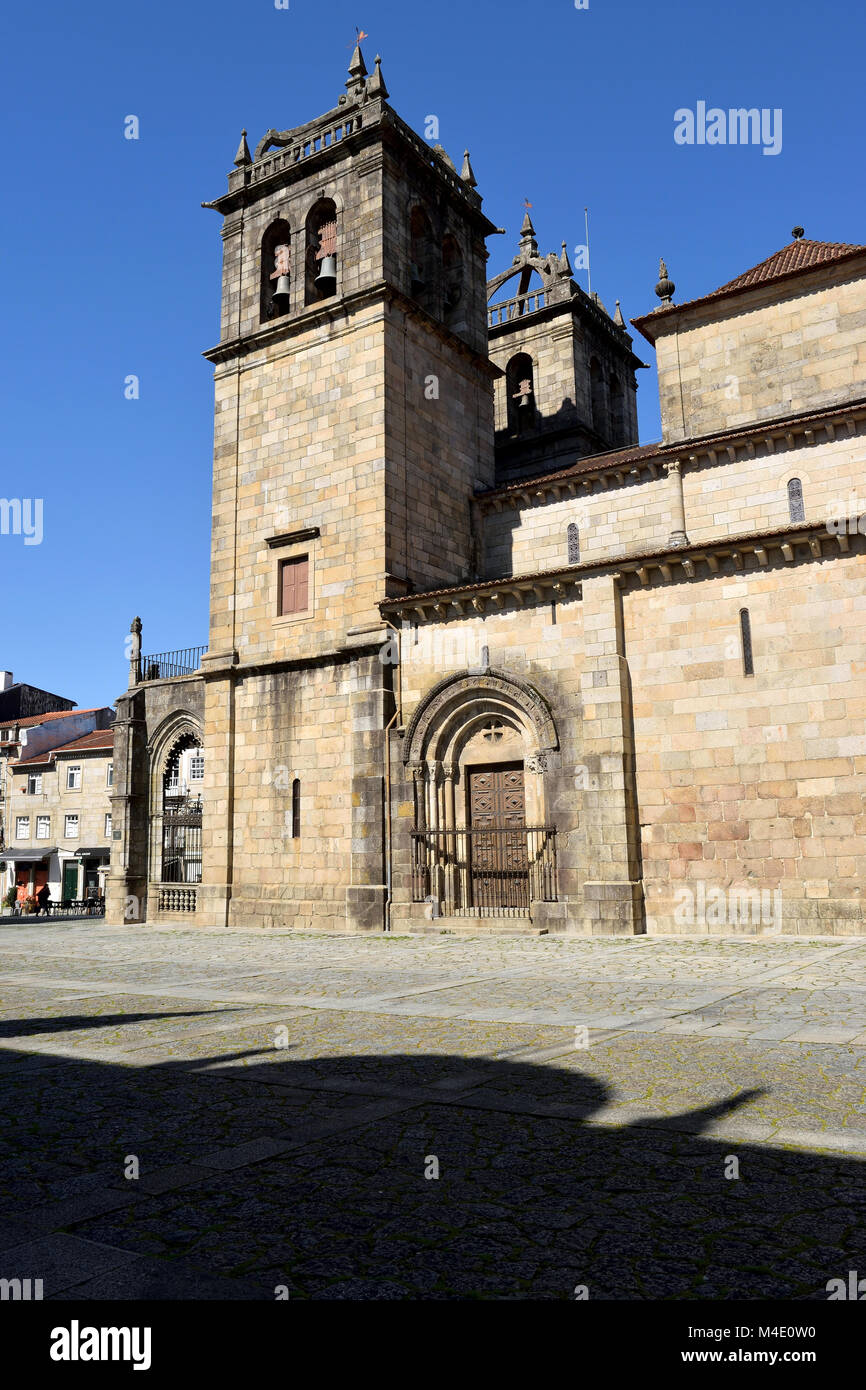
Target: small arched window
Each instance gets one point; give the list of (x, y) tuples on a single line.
[(322, 257), (276, 270), (296, 809), (596, 389), (520, 393), (573, 537), (452, 276), (796, 509)]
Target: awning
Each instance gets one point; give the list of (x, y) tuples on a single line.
[(27, 856), (92, 853)]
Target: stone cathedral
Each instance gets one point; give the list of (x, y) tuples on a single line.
[(478, 660)]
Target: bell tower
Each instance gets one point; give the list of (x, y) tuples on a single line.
[(353, 423), (354, 395)]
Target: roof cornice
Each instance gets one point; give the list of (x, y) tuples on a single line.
[(749, 550)]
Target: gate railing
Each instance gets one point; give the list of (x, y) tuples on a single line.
[(490, 872), (182, 843)]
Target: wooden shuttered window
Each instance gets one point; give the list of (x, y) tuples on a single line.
[(294, 585)]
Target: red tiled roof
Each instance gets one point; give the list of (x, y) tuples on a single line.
[(797, 255), (32, 719), (94, 741), (791, 260), (99, 738)]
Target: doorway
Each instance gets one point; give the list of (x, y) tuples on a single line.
[(499, 865), (70, 881)]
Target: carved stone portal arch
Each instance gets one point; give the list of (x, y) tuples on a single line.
[(485, 718), (440, 720), (498, 729)]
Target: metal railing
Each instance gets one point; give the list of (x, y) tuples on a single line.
[(491, 872), (182, 843), (184, 662)]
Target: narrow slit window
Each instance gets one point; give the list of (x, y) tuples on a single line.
[(746, 635), (573, 539), (796, 510), (294, 585), (296, 809)]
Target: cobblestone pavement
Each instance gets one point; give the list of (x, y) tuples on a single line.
[(289, 1098)]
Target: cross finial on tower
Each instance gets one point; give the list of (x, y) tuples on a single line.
[(528, 244), (357, 66)]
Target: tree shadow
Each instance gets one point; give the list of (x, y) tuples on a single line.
[(402, 1176)]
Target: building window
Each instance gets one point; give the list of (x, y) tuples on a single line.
[(43, 827), (34, 783), (5, 735), (296, 809), (108, 825), (196, 767), (71, 828), (746, 634), (294, 585), (22, 827), (73, 778), (573, 537), (109, 775), (796, 510)]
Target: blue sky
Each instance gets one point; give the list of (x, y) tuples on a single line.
[(110, 267)]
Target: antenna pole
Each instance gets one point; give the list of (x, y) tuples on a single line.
[(588, 271)]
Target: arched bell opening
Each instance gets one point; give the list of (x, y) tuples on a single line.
[(422, 269), (520, 393), (322, 254), (276, 271), (452, 279)]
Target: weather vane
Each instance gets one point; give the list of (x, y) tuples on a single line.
[(359, 35)]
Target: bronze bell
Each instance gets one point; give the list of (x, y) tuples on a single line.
[(282, 293), (326, 280)]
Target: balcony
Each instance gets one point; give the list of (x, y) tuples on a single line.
[(515, 308), (165, 665), (491, 872)]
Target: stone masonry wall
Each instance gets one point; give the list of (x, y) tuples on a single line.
[(753, 781), (764, 354)]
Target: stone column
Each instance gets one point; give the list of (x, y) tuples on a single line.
[(678, 535), (449, 845), (366, 895), (219, 791), (126, 887), (613, 890)]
